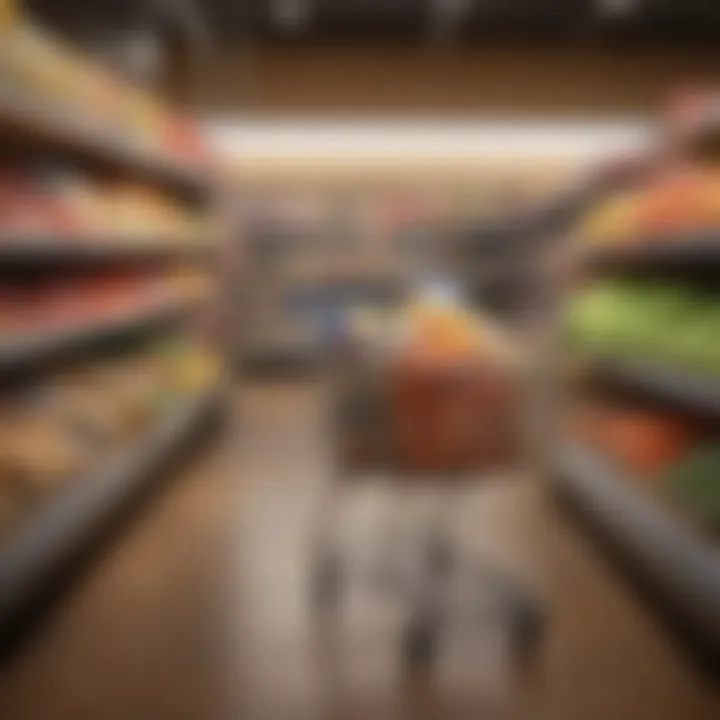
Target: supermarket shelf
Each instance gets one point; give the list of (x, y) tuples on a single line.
[(694, 254), (18, 251), (72, 130), (682, 390), (681, 569), (31, 347), (514, 230), (37, 557)]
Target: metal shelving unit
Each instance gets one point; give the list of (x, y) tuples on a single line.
[(679, 566), (687, 391), (69, 523), (62, 528), (677, 562), (24, 251), (65, 128), (694, 254), (31, 348)]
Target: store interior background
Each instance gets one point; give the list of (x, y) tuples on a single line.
[(346, 127)]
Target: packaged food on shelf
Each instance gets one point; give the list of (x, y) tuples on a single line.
[(141, 114), (184, 140), (60, 430), (90, 403), (37, 453), (189, 371), (192, 282), (59, 205), (29, 207), (71, 88), (101, 297)]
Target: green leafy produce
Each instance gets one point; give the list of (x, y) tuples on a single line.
[(695, 482), (661, 321)]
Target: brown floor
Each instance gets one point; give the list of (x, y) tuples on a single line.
[(199, 610)]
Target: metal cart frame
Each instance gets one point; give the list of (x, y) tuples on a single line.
[(429, 597)]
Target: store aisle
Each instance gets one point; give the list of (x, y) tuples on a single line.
[(198, 611)]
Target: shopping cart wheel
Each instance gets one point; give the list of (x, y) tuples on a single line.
[(326, 582), (420, 643)]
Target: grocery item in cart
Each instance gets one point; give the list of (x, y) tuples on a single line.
[(445, 398)]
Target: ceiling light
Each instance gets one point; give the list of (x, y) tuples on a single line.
[(618, 8)]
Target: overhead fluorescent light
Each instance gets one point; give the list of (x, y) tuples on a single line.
[(427, 140)]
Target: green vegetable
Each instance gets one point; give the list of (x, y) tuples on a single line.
[(665, 322)]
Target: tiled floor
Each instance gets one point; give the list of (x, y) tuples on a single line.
[(199, 610)]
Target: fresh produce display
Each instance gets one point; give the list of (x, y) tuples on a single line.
[(62, 205), (679, 201), (57, 303), (105, 332), (614, 220), (640, 448), (36, 66), (665, 322), (668, 455), (644, 442), (55, 431), (50, 202)]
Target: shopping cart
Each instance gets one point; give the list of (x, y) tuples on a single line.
[(447, 426)]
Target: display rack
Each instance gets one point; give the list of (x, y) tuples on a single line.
[(680, 568), (67, 129), (33, 348), (306, 270), (693, 254), (62, 530), (21, 251), (686, 391), (679, 564), (501, 261), (69, 521), (521, 228)]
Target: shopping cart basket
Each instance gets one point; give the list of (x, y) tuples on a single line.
[(448, 424)]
